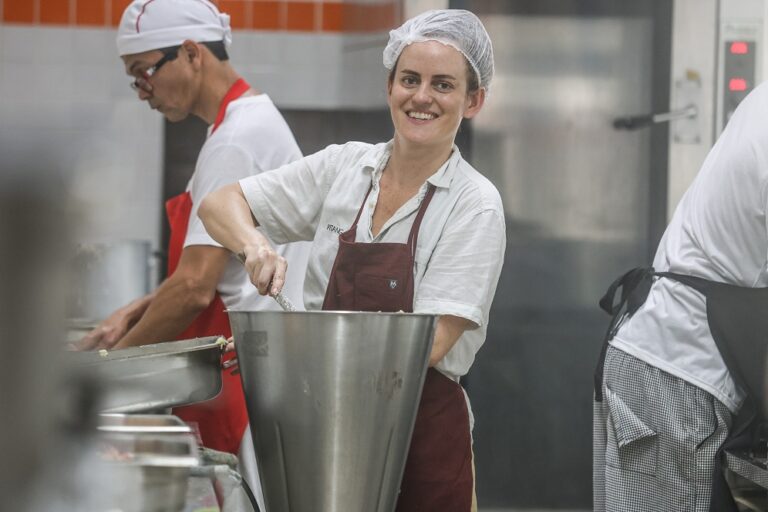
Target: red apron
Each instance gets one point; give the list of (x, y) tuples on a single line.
[(379, 277), (221, 421)]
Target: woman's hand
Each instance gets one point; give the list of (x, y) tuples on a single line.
[(265, 267), (228, 219)]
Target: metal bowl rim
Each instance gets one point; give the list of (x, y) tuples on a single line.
[(93, 357)]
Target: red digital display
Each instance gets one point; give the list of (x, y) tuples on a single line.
[(739, 48), (737, 84)]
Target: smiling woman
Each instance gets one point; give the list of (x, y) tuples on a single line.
[(422, 231), (429, 94)]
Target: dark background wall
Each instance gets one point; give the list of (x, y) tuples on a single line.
[(584, 203)]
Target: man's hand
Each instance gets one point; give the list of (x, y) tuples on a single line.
[(181, 297), (110, 331)]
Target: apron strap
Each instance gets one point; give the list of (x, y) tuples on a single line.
[(413, 237), (697, 283), (239, 88), (353, 227), (635, 286)]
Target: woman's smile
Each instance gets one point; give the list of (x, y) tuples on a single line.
[(422, 116)]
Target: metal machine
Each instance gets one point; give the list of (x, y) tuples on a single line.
[(332, 400)]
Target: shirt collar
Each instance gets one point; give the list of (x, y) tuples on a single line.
[(444, 175), (374, 162)]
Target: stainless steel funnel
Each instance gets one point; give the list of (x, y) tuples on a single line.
[(332, 400)]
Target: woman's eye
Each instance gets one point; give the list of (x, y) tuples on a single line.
[(443, 86), (409, 80)]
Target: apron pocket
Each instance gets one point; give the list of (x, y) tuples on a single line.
[(632, 445), (373, 293)]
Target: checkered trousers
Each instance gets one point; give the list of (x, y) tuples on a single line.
[(655, 440)]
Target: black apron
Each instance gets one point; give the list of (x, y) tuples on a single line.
[(738, 321)]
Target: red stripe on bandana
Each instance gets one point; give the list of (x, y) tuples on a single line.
[(138, 18)]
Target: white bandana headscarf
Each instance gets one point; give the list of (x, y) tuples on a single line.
[(153, 24)]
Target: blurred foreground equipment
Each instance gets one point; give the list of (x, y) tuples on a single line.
[(37, 432)]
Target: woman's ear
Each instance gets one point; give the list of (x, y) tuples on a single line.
[(476, 102)]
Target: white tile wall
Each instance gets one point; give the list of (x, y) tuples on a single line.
[(63, 93), (63, 90), (314, 71)]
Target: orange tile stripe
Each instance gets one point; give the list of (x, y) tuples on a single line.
[(282, 15)]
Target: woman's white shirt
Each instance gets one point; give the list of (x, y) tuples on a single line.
[(461, 242)]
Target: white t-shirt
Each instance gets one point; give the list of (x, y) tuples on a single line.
[(718, 232), (461, 242), (252, 138)]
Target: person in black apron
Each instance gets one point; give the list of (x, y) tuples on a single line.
[(406, 225), (681, 374)]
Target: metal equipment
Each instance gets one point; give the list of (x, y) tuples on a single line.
[(158, 376), (143, 424), (148, 472), (332, 399)]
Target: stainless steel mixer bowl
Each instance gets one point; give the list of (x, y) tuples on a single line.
[(332, 399)]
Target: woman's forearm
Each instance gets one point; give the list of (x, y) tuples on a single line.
[(227, 218), (449, 330)]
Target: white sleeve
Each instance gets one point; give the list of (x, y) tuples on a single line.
[(463, 270), (224, 165), (287, 201), (764, 197)]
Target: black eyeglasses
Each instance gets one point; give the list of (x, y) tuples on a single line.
[(142, 82)]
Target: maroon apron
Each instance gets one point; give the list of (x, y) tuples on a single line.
[(222, 420), (379, 277)]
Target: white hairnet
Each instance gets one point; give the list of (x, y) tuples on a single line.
[(455, 27), (154, 24)]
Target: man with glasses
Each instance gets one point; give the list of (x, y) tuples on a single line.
[(175, 52)]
